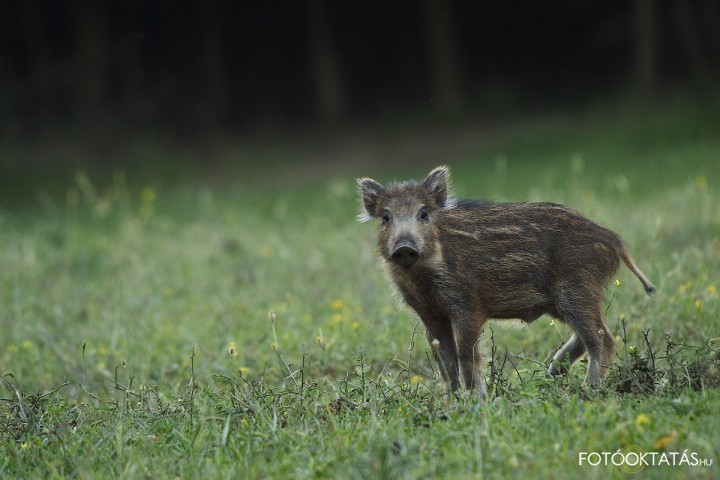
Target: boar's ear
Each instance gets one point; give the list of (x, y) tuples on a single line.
[(437, 184), (370, 192)]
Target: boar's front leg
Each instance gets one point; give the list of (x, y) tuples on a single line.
[(469, 329), (440, 329)]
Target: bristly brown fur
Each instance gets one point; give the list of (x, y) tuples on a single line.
[(472, 260)]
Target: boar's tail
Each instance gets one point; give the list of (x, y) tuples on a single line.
[(649, 287)]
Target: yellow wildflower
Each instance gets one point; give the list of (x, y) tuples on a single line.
[(336, 304), (699, 304), (337, 318), (617, 283), (232, 349), (415, 379), (641, 420), (356, 325), (244, 371), (664, 441)]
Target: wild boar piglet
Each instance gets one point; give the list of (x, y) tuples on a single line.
[(458, 263)]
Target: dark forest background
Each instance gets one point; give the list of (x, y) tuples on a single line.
[(193, 68)]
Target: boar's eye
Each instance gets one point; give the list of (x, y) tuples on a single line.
[(424, 214), (386, 217)]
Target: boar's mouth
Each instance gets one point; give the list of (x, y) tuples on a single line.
[(405, 254)]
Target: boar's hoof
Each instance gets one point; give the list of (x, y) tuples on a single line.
[(405, 254)]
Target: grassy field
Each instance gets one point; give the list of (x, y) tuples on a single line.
[(153, 329)]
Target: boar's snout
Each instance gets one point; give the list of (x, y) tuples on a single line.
[(405, 253)]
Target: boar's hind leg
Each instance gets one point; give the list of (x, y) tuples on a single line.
[(567, 355), (589, 325), (600, 345), (446, 352), (608, 342)]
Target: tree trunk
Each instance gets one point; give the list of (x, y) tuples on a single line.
[(645, 38), (40, 79), (212, 63), (92, 58), (129, 64), (329, 93), (691, 41), (443, 56)]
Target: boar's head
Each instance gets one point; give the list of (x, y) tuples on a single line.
[(407, 211)]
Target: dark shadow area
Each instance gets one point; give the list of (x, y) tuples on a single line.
[(188, 89)]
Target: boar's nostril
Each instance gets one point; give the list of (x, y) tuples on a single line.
[(405, 254)]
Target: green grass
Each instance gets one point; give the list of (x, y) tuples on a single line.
[(122, 298)]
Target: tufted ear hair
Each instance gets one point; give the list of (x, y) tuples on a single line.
[(437, 184), (370, 192)]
